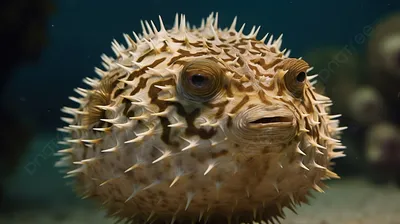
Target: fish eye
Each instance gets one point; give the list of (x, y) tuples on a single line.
[(201, 80), (301, 77), (295, 76)]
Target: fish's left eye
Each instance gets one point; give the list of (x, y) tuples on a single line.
[(201, 80), (301, 77)]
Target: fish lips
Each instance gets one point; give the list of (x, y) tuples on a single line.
[(264, 125)]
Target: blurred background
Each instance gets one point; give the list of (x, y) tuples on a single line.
[(49, 46)]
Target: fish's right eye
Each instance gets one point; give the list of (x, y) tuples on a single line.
[(201, 80)]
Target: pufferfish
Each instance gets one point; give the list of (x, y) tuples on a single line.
[(200, 125)]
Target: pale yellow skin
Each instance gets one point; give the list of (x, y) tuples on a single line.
[(143, 146)]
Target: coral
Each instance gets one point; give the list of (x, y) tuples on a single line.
[(200, 124), (383, 150), (384, 46), (366, 105), (383, 62)]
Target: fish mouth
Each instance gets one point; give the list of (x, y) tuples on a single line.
[(271, 121), (264, 125)]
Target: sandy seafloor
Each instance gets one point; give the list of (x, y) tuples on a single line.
[(345, 202)]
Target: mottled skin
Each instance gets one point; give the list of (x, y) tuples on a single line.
[(200, 125)]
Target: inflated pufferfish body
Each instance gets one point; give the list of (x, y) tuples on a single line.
[(200, 124)]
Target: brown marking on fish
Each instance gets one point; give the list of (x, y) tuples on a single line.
[(244, 100)]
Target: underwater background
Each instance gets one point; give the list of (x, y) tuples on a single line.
[(49, 46)]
